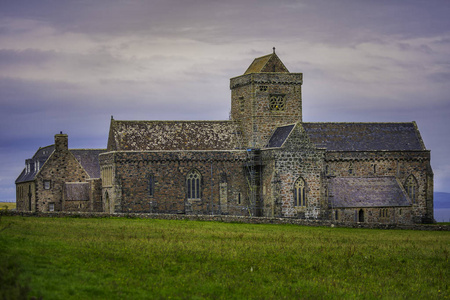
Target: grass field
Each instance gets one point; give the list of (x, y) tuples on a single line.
[(74, 258), (7, 205)]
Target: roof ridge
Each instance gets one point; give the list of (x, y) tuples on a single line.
[(174, 121), (410, 122)]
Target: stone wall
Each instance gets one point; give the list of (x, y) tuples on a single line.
[(298, 158), (26, 196), (381, 215), (399, 164), (231, 219), (131, 172)]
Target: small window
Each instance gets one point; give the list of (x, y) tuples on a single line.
[(239, 198), (51, 207), (277, 103), (47, 184), (350, 169), (336, 215), (151, 185), (263, 88)]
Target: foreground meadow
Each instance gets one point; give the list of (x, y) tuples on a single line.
[(117, 258)]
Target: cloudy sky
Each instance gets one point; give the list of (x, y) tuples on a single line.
[(68, 65)]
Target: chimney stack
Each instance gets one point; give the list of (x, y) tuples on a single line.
[(61, 142)]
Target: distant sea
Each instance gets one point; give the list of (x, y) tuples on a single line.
[(442, 214)]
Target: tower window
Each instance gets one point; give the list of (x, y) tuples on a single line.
[(263, 88), (277, 103), (242, 103)]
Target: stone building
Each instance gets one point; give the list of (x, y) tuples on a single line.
[(57, 178), (264, 161)]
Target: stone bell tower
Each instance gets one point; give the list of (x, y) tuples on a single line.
[(265, 97)]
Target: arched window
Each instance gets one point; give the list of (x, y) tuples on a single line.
[(300, 192), (193, 180), (411, 188)]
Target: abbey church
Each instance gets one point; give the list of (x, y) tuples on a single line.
[(265, 161)]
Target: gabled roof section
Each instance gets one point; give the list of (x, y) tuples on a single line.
[(173, 135), (88, 159), (365, 136), (279, 136), (366, 192), (267, 63), (35, 163)]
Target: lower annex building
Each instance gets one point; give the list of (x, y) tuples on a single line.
[(264, 161)]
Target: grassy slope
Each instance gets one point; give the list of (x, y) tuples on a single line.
[(129, 258), (7, 205)]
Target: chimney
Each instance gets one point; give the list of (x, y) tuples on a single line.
[(61, 142)]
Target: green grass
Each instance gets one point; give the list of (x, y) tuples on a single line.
[(75, 258), (7, 205)]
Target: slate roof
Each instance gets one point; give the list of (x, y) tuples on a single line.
[(88, 158), (40, 156), (365, 136), (76, 191), (279, 136), (266, 63), (366, 192), (173, 135)]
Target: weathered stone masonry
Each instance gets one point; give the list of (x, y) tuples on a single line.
[(264, 161), (130, 186)]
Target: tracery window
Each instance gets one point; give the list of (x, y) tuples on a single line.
[(300, 192), (277, 103), (193, 182), (411, 188)]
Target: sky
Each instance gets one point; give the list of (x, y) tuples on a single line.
[(69, 65)]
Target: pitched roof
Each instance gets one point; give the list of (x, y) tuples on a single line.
[(267, 63), (279, 136), (88, 158), (366, 192), (173, 135), (365, 136), (36, 162)]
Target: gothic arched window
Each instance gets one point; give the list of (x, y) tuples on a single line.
[(411, 188), (300, 192), (193, 181)]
